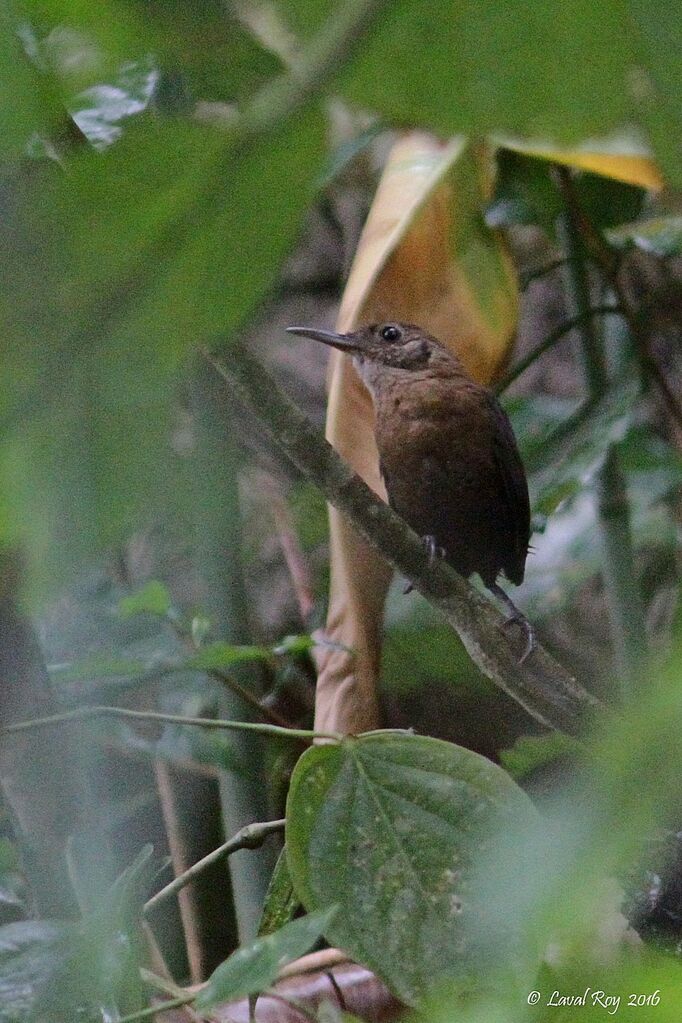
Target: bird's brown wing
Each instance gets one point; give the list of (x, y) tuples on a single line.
[(515, 490)]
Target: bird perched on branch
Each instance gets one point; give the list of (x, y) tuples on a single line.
[(447, 454)]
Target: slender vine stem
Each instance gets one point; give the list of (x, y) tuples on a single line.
[(618, 564), (530, 276), (229, 681), (553, 337), (83, 713), (154, 1010), (249, 837)]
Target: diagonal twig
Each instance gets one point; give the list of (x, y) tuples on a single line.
[(542, 686), (249, 837)]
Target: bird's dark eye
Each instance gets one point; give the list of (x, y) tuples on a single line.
[(391, 333)]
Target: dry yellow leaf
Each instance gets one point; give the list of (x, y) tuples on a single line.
[(619, 159)]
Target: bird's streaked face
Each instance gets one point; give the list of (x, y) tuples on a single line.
[(397, 345)]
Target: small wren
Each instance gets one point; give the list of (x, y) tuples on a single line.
[(447, 454)]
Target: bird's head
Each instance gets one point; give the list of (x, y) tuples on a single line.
[(397, 346)]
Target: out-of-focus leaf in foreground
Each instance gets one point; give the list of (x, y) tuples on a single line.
[(201, 46), (480, 68), (58, 971), (28, 103), (599, 991), (116, 265)]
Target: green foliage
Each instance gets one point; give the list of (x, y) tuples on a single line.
[(280, 901), (661, 236), (11, 881), (392, 827), (563, 447), (559, 464), (57, 971), (253, 968), (153, 598), (609, 991), (531, 752), (27, 104), (218, 656), (163, 229), (216, 58), (119, 263), (481, 68), (526, 194), (32, 952)]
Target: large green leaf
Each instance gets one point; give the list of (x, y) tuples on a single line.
[(253, 968), (657, 76), (394, 828), (565, 72)]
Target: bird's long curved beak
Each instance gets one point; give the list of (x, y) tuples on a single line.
[(343, 342)]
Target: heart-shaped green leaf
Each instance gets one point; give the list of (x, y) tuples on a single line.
[(396, 829)]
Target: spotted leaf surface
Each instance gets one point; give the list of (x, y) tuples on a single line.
[(397, 830)]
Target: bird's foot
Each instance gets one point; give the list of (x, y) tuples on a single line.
[(516, 618), (434, 552), (528, 631)]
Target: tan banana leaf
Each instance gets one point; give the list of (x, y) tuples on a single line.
[(424, 256)]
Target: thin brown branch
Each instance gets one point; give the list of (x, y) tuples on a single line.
[(291, 551), (541, 685), (177, 844)]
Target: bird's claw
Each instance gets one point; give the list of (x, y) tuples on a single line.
[(433, 549), (528, 631)]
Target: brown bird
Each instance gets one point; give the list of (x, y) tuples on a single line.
[(447, 454)]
